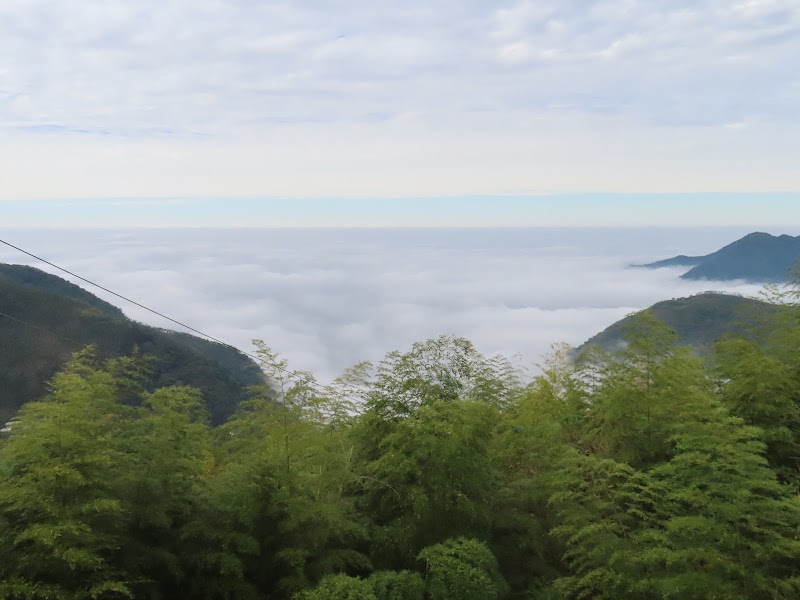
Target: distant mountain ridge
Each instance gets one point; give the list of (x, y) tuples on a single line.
[(699, 321), (70, 317), (757, 258), (677, 261)]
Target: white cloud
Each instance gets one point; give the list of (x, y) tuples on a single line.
[(329, 298), (622, 46), (229, 97)]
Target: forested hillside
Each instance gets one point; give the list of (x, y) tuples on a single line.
[(40, 280), (698, 321), (437, 474), (63, 318)]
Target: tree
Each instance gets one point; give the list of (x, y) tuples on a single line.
[(423, 446), (430, 480), (639, 396), (529, 446), (759, 378), (397, 585), (292, 466), (726, 528), (60, 505), (180, 541), (106, 491), (462, 568), (712, 522), (602, 504), (446, 368), (763, 391), (339, 587)]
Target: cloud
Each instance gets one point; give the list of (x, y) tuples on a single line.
[(329, 298), (177, 97), (622, 46)]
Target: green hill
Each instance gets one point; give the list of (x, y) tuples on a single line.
[(55, 285), (699, 320), (757, 257), (71, 317)]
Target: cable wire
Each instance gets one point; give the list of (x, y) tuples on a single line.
[(147, 308), (44, 329)]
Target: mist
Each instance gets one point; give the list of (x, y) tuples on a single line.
[(327, 298)]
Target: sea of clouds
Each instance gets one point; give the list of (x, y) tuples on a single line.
[(329, 298)]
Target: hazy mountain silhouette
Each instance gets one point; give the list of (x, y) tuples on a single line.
[(757, 257)]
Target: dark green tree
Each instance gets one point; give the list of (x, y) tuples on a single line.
[(462, 568), (397, 585), (529, 446), (339, 587)]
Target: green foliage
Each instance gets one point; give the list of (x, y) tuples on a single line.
[(558, 394), (430, 480), (29, 357), (707, 521), (60, 507), (291, 469), (759, 380), (462, 568), (339, 587), (602, 503), (636, 475), (102, 498), (675, 499), (641, 396), (446, 369), (763, 391), (397, 585), (699, 321), (529, 445), (423, 446), (726, 528), (56, 286)]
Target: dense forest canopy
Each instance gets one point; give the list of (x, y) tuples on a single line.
[(438, 473), (699, 321), (46, 318)]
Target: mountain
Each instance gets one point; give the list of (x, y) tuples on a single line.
[(757, 257), (55, 285), (69, 317), (699, 320), (677, 261)]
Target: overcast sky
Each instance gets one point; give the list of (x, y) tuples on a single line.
[(154, 100)]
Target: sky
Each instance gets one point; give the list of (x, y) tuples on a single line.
[(329, 298), (165, 112), (761, 211)]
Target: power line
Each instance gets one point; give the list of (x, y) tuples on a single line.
[(147, 308), (44, 329)]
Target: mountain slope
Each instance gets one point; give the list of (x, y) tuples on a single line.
[(698, 320), (677, 261), (46, 282), (70, 319), (757, 257)]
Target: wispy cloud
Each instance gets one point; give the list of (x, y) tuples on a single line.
[(356, 83)]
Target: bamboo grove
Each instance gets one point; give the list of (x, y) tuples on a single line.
[(438, 473)]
